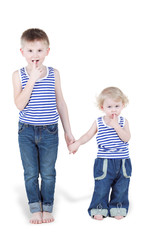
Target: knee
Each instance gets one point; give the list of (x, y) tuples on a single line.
[(48, 174)]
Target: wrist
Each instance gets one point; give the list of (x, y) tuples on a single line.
[(116, 127), (32, 80), (77, 144)]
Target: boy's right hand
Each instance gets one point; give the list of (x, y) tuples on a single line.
[(36, 72), (73, 147)]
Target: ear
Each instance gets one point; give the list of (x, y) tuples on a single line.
[(21, 50), (48, 50)]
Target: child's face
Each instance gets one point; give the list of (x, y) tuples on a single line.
[(35, 51), (111, 107)]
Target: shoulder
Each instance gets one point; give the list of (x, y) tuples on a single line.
[(52, 69), (16, 81), (56, 73), (15, 73), (57, 79), (99, 120), (93, 128), (16, 77)]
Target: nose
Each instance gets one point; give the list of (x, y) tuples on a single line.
[(35, 54), (114, 111)]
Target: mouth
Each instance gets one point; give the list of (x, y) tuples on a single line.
[(113, 115), (35, 61)]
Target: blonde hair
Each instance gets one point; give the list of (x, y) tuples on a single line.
[(114, 93)]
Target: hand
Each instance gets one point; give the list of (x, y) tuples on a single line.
[(73, 147), (69, 139), (36, 72), (113, 121)]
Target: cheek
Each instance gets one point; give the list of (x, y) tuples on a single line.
[(119, 110), (107, 111), (42, 57)]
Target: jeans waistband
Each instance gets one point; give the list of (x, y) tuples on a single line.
[(37, 126)]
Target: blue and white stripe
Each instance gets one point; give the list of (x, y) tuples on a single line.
[(41, 108), (108, 141)]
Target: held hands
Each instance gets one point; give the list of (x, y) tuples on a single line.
[(71, 143), (70, 140), (83, 139), (73, 147)]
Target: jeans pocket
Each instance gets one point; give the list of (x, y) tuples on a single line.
[(126, 168), (20, 127), (53, 129), (100, 168)]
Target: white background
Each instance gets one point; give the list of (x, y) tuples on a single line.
[(94, 44)]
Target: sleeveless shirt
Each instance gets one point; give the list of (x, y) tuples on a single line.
[(108, 141), (41, 108)]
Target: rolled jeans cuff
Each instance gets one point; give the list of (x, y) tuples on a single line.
[(47, 208), (35, 207), (118, 212), (103, 212)]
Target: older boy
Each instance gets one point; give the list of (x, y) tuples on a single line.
[(38, 96)]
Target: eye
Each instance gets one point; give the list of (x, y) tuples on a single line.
[(109, 106), (40, 50), (30, 50), (117, 106)]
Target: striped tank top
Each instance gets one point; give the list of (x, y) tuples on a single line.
[(108, 141), (41, 108)]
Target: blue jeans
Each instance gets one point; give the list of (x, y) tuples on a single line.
[(114, 175), (38, 148)]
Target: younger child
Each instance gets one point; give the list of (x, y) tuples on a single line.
[(38, 96), (112, 168)]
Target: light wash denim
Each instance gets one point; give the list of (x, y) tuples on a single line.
[(38, 147), (111, 175)]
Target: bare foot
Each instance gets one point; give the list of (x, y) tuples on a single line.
[(98, 217), (119, 217), (47, 217), (36, 218)]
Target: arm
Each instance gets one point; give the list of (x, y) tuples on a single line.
[(84, 139), (21, 97), (123, 133), (62, 110)]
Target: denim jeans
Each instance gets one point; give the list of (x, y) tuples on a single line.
[(110, 197), (38, 148)]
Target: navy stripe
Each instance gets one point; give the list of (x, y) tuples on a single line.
[(41, 108), (108, 141)]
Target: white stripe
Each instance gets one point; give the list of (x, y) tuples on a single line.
[(41, 108), (108, 141)]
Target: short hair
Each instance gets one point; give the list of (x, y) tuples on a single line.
[(114, 93), (33, 34)]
